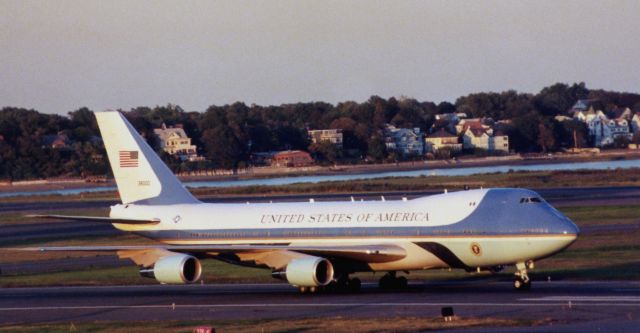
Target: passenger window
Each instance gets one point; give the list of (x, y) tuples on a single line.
[(530, 200)]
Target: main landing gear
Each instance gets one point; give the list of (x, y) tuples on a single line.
[(522, 280), (344, 284), (391, 281)]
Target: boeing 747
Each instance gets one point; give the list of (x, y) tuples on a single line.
[(318, 245)]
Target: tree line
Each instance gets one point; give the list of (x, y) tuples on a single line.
[(227, 135)]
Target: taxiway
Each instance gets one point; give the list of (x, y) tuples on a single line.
[(569, 306)]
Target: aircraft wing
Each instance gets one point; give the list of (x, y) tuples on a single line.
[(97, 219), (364, 253)]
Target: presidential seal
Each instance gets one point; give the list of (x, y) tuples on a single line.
[(475, 249)]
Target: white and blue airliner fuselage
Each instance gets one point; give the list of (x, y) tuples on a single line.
[(467, 229), (317, 245)]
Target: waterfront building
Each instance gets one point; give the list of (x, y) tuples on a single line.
[(174, 141), (326, 135), (404, 141), (442, 139), (291, 158)]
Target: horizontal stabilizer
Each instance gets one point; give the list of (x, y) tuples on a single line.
[(97, 219)]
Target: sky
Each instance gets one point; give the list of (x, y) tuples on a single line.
[(58, 56)]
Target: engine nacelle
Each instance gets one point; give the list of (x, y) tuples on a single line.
[(175, 269), (309, 272)]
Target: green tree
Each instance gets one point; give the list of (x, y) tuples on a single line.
[(325, 152), (223, 148), (546, 140), (377, 149)]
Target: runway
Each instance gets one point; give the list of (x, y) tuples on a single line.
[(568, 305)]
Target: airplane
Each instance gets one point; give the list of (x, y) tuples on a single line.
[(316, 246)]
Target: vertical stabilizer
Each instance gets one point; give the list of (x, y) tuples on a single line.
[(140, 174)]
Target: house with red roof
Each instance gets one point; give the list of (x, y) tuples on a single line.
[(291, 158)]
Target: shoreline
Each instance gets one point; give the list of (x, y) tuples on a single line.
[(265, 173)]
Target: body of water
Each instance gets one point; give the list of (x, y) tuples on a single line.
[(463, 171)]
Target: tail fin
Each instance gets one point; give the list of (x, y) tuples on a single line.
[(140, 174)]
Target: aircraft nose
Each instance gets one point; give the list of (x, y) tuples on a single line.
[(570, 228)]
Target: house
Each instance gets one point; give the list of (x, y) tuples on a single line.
[(499, 141), (448, 121), (442, 139), (621, 113), (59, 141), (604, 131), (326, 135), (583, 105), (475, 136), (175, 141), (291, 158), (485, 123), (478, 136), (404, 141)]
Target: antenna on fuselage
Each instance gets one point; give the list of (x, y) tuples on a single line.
[(445, 191), (353, 199), (382, 197)]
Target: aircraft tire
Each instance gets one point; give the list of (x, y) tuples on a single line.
[(354, 285), (520, 284), (402, 282)]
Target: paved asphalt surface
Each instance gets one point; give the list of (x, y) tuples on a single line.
[(562, 306)]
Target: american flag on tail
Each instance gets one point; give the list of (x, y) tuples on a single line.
[(128, 158)]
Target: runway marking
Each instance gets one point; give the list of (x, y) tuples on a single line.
[(280, 305), (635, 299)]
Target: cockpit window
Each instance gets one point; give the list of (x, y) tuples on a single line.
[(530, 200)]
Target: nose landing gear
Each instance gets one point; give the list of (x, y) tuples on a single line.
[(522, 280)]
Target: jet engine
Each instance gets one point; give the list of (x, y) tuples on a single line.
[(309, 272), (174, 269)]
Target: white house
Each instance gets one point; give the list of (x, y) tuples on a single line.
[(476, 136), (327, 135), (442, 139), (175, 141)]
